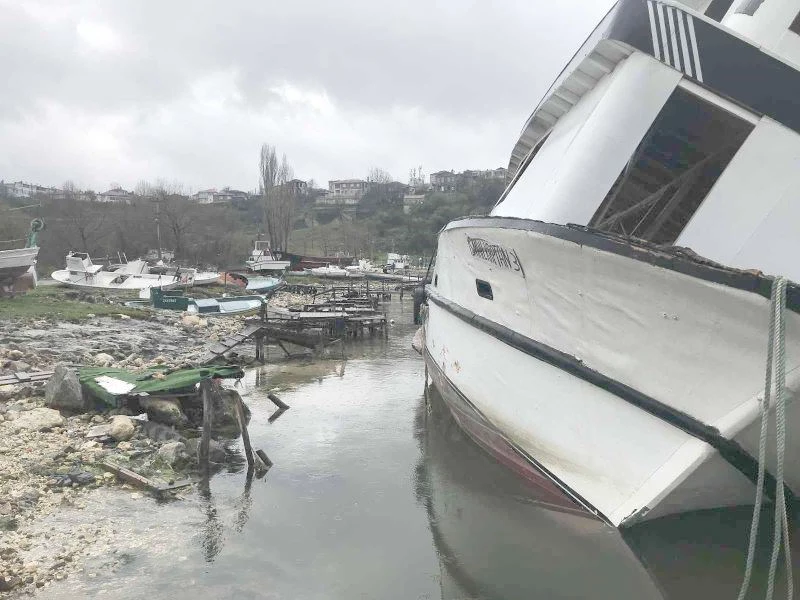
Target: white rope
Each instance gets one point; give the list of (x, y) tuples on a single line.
[(781, 529), (776, 355)]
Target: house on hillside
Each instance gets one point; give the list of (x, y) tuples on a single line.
[(297, 186), (117, 195), (21, 189), (204, 196), (229, 195), (346, 191), (444, 181)]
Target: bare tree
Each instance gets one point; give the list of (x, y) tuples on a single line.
[(175, 211), (377, 175), (278, 197)]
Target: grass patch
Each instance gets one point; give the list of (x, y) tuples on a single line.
[(54, 302)]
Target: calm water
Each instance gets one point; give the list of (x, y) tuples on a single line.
[(376, 494)]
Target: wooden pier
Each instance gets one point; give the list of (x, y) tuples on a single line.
[(312, 325)]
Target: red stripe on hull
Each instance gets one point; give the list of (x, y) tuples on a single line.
[(492, 441)]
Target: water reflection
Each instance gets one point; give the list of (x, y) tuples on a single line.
[(495, 540)]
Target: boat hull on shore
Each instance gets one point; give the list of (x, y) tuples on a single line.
[(18, 269), (616, 372)]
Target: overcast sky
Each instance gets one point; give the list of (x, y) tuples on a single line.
[(188, 90)]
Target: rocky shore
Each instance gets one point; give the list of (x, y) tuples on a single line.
[(51, 459)]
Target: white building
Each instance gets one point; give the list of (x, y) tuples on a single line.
[(117, 195)]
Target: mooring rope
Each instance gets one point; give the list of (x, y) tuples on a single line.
[(776, 357)]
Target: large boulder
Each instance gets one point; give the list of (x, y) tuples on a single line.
[(63, 390), (225, 422), (173, 453), (103, 359), (121, 428), (163, 411), (38, 419)]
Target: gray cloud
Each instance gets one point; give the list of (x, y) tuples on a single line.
[(188, 90)]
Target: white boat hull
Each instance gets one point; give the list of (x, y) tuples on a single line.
[(574, 336), (18, 268), (110, 280)]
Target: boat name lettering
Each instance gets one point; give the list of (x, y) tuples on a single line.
[(495, 254)]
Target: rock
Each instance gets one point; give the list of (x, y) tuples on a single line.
[(14, 354), (63, 390), (39, 419), (99, 431), (225, 421), (103, 360), (163, 411), (98, 419), (173, 453), (20, 366), (124, 446), (6, 585), (122, 428), (8, 523), (191, 320)]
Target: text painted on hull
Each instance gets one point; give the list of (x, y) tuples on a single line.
[(496, 254)]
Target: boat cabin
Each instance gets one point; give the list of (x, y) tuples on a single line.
[(676, 123), (80, 263)]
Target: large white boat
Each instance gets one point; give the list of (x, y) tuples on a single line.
[(571, 331), (262, 260), (129, 276)]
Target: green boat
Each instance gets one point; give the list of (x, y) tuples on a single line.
[(175, 300)]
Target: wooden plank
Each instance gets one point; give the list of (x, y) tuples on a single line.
[(142, 481)]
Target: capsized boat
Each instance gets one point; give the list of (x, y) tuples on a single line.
[(176, 300), (264, 285), (604, 356), (18, 265), (334, 272), (130, 276), (301, 262), (262, 259)]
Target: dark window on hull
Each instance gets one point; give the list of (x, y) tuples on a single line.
[(484, 289), (795, 26), (717, 9), (669, 175), (749, 7)]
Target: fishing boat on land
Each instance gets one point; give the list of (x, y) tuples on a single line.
[(129, 276), (176, 300), (572, 332), (263, 260), (300, 262), (18, 265)]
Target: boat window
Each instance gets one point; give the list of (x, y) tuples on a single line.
[(749, 7), (718, 9), (795, 26), (676, 164), (484, 289)]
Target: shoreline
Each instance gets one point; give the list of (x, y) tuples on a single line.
[(47, 462)]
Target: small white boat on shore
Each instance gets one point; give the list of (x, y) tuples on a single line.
[(262, 260), (130, 276)]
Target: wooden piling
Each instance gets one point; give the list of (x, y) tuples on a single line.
[(238, 406), (206, 389), (277, 401)]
